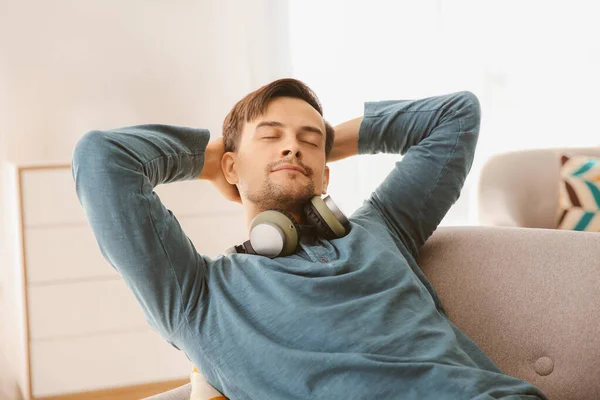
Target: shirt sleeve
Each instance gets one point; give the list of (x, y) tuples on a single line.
[(115, 172), (437, 137)]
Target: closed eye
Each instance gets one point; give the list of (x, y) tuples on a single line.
[(305, 141)]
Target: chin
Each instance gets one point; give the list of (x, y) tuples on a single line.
[(295, 185), (286, 191)]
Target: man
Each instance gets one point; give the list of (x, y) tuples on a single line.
[(348, 318)]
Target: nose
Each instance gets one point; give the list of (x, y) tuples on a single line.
[(286, 153), (291, 148)]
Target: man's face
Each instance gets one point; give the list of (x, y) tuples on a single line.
[(290, 134)]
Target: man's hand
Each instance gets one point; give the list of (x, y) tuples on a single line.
[(213, 172)]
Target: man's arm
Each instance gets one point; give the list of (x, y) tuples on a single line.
[(115, 172), (437, 136)]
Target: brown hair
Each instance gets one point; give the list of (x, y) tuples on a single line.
[(255, 104)]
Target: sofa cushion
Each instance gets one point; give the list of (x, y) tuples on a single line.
[(579, 193)]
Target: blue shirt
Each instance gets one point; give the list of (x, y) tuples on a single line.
[(349, 318)]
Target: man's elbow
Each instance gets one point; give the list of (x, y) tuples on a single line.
[(101, 151), (470, 108), (93, 154), (89, 147)]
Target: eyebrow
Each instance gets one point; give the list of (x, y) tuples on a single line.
[(275, 124)]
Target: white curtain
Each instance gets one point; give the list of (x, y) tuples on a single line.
[(535, 66)]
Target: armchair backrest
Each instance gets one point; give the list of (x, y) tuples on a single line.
[(520, 188)]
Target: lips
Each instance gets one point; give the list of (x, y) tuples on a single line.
[(290, 166)]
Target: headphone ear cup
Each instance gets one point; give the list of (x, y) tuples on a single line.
[(320, 215), (315, 219), (274, 233)]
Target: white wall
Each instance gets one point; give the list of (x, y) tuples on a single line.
[(535, 66), (67, 67), (71, 66)]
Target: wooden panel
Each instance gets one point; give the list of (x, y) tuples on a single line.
[(195, 198), (50, 198), (212, 236), (64, 252), (14, 330), (61, 253), (83, 308), (107, 361)]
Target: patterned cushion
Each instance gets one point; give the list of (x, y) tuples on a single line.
[(579, 193)]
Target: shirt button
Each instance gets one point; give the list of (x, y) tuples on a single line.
[(324, 260)]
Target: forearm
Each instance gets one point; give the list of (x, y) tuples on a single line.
[(346, 140), (385, 130), (394, 126), (162, 153), (212, 159)]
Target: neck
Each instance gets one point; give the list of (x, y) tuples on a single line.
[(252, 210)]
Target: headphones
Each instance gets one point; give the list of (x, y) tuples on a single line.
[(275, 233)]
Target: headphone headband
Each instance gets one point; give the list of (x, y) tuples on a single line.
[(275, 233)]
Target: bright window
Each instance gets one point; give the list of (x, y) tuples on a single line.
[(534, 65)]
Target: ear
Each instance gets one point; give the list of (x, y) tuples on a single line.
[(325, 179), (228, 166)]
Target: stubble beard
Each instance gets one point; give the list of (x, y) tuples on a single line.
[(289, 196)]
